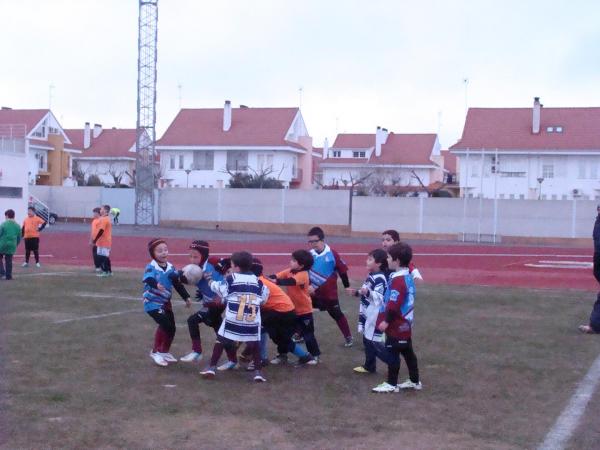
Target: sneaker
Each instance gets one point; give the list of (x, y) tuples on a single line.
[(191, 357), (280, 359), (98, 270), (410, 385), (307, 359), (385, 388), (158, 359), (229, 365), (258, 377), (25, 265), (314, 361), (38, 265), (168, 357), (585, 329), (360, 369), (103, 274), (349, 342), (208, 373)]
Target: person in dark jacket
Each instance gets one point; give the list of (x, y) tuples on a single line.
[(594, 323)]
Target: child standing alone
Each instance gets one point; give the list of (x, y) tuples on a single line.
[(396, 319)]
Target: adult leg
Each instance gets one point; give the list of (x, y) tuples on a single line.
[(28, 249), (35, 247), (9, 266), (2, 271), (597, 265)]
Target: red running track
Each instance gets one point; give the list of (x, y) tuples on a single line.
[(440, 264)]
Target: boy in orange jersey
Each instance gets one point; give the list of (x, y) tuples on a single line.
[(94, 232), (32, 225), (297, 282), (103, 240)]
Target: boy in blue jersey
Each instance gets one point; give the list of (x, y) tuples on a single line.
[(371, 298), (211, 307), (395, 320), (160, 277), (323, 280), (243, 294)]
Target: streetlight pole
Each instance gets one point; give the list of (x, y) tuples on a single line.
[(187, 181), (540, 180)]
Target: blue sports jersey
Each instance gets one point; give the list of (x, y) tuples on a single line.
[(204, 293), (155, 298)]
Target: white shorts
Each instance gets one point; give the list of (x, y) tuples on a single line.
[(103, 251)]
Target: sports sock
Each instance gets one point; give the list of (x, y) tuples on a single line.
[(157, 340), (231, 354), (217, 352), (299, 351)]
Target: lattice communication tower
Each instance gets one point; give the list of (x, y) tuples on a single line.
[(145, 168)]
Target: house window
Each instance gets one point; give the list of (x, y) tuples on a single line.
[(501, 196), (548, 171), (237, 161), (41, 161), (522, 196), (181, 159), (550, 129), (559, 129), (172, 162), (295, 167), (264, 161), (204, 160), (582, 166), (594, 170), (358, 154), (337, 153)]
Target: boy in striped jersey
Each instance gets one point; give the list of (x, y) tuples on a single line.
[(323, 280), (396, 318), (243, 294), (371, 298)]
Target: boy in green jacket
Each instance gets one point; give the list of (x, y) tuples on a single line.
[(10, 236)]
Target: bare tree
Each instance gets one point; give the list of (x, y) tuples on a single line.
[(116, 173)]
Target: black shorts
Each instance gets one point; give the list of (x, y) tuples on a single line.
[(324, 304), (212, 317)]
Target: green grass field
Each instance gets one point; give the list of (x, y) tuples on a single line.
[(498, 366)]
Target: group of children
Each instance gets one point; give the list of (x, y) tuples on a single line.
[(243, 306), (101, 240), (11, 235)]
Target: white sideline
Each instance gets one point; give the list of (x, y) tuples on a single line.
[(97, 316), (558, 437), (520, 255)]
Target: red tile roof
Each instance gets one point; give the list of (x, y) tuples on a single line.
[(112, 143), (249, 127), (399, 149), (28, 117), (449, 161), (510, 128)]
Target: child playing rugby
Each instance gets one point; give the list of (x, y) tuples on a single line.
[(160, 277), (396, 318)]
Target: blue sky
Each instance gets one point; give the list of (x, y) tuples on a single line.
[(360, 64)]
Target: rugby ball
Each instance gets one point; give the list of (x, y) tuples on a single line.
[(192, 274)]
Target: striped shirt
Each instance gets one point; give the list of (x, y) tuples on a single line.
[(242, 293), (369, 305)]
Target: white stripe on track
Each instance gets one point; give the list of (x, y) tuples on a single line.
[(96, 316), (533, 255), (41, 256), (558, 437)]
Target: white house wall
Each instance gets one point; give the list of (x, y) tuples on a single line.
[(400, 176), (14, 167), (565, 176), (283, 164)]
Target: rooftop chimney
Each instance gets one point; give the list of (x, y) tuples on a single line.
[(86, 136), (325, 148), (97, 130), (227, 116), (537, 110), (381, 135)]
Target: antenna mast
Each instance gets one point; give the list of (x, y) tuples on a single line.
[(145, 170)]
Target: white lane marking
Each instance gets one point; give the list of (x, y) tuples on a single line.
[(96, 316), (559, 435), (108, 296), (48, 274), (532, 255), (41, 256), (545, 264)]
